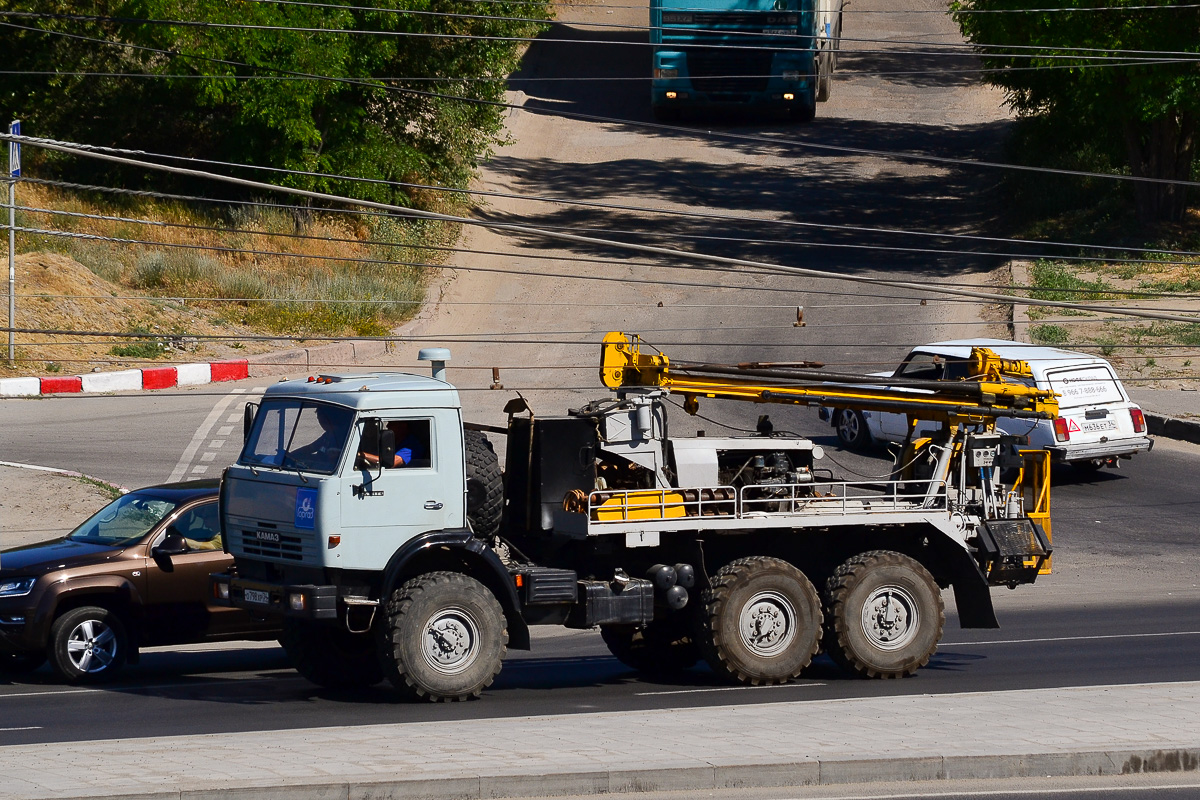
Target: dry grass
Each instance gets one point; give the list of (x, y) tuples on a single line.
[(240, 268)]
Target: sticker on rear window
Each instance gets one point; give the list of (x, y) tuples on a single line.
[(1085, 385)]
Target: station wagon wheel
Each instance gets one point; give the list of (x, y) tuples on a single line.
[(852, 429), (87, 643)]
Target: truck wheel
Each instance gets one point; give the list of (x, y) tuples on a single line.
[(661, 648), (331, 656), (885, 615), (444, 637), (763, 621), (485, 488), (87, 644), (20, 663), (852, 429)]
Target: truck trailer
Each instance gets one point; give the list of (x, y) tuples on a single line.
[(423, 568)]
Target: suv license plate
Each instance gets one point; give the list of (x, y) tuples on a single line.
[(255, 596)]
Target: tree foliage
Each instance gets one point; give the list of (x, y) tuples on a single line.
[(318, 100), (1149, 113)]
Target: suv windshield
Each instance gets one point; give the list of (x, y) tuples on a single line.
[(298, 434), (124, 520)]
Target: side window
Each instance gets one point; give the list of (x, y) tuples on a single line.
[(924, 366), (412, 443), (200, 527)]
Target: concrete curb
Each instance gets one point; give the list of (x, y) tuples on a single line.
[(715, 776), (128, 379), (1185, 430), (67, 472), (304, 359)]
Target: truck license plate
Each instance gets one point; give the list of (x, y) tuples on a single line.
[(255, 596), (1100, 425)]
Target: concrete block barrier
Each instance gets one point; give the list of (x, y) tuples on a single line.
[(20, 387), (121, 381)]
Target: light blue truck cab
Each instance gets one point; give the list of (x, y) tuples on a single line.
[(765, 54)]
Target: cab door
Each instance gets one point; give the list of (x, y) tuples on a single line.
[(384, 506)]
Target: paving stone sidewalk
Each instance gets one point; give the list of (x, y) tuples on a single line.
[(1070, 731)]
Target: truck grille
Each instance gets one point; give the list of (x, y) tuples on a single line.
[(282, 545), (728, 72), (731, 19)]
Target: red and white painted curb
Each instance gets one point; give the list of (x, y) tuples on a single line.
[(128, 379)]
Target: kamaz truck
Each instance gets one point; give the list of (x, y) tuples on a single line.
[(750, 54), (376, 525)]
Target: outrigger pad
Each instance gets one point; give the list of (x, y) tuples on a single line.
[(1014, 550)]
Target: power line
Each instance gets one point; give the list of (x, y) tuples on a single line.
[(594, 241), (683, 213), (635, 123)]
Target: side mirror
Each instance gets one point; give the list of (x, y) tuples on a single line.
[(173, 544), (248, 415), (387, 447)]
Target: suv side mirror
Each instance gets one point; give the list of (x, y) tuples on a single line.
[(248, 415), (173, 544)]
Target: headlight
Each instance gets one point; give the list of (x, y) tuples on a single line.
[(666, 73), (791, 75), (16, 587)]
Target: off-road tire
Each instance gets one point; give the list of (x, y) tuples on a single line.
[(330, 656), (444, 637), (20, 663), (100, 629), (663, 647), (485, 486), (745, 596), (859, 592)]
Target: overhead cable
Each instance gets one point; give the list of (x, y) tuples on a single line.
[(595, 241)]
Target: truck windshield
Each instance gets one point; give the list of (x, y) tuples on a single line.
[(298, 434), (124, 520)]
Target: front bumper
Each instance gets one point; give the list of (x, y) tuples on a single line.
[(1117, 448), (303, 601)]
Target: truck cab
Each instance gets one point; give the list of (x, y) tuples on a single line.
[(312, 499)]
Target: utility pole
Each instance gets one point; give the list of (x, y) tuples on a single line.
[(14, 172)]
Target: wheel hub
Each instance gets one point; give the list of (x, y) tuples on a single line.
[(451, 639), (890, 617), (767, 624), (91, 646)]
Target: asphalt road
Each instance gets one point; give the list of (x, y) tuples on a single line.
[(1122, 607)]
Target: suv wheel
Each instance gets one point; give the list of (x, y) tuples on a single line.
[(87, 643)]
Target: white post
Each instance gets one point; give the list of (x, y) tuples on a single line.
[(14, 172)]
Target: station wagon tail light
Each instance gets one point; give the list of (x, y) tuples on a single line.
[(1061, 432), (1139, 420)]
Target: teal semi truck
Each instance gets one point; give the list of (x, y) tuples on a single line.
[(753, 54)]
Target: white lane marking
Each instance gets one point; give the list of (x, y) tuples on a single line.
[(201, 434), (1010, 792), (26, 728), (1074, 638), (6, 696), (729, 689), (224, 430), (199, 470), (216, 444), (209, 456)]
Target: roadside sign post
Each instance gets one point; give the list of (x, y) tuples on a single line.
[(14, 172)]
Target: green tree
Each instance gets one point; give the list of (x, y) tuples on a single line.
[(248, 95), (1148, 112)]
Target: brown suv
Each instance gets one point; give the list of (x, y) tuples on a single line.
[(133, 575)]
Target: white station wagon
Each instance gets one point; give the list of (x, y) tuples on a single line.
[(1097, 424)]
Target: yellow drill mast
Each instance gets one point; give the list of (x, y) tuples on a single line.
[(995, 390)]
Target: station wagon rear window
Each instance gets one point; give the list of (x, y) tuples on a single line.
[(1085, 386)]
